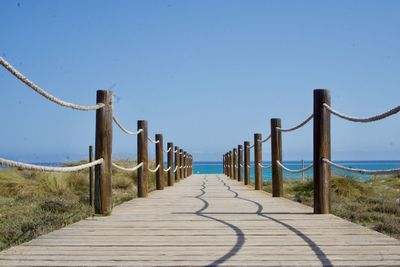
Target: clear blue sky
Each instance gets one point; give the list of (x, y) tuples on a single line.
[(206, 74)]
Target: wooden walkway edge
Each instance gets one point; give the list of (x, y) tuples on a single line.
[(209, 220)]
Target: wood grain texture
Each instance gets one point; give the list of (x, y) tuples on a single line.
[(209, 220), (103, 149)]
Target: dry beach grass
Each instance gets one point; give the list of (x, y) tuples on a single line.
[(34, 203)]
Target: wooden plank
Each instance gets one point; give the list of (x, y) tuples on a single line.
[(208, 220)]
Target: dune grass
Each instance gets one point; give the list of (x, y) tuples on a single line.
[(374, 203), (35, 203)]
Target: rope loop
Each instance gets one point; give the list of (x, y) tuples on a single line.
[(297, 126), (127, 169), (124, 129), (382, 116), (33, 167), (42, 92), (294, 171), (156, 169), (361, 171)]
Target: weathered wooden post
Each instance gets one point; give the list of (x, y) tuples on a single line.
[(191, 165), (240, 163), (246, 162), (142, 156), (257, 161), (159, 162), (187, 165), (227, 165), (104, 126), (223, 164), (322, 149), (234, 164), (91, 177), (170, 161), (276, 155), (232, 170), (177, 163), (181, 163)]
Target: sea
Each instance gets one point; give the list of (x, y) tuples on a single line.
[(208, 167)]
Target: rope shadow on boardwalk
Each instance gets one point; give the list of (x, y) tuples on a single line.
[(240, 237), (316, 249)]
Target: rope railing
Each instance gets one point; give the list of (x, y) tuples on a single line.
[(382, 116), (167, 150), (154, 170), (294, 171), (265, 167), (266, 139), (321, 117), (153, 141), (127, 169), (42, 92), (361, 171), (297, 126), (176, 168), (167, 169), (104, 141), (124, 129), (33, 167)]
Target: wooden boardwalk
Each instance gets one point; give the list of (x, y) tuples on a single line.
[(208, 220)]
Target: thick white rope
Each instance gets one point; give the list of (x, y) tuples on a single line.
[(298, 126), (127, 169), (294, 171), (362, 171), (124, 129), (264, 167), (250, 147), (370, 119), (175, 151), (42, 92), (166, 151), (167, 169), (156, 169), (176, 168), (266, 139), (33, 167), (153, 141)]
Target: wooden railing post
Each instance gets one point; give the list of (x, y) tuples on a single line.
[(234, 164), (181, 162), (185, 162), (225, 167), (276, 154), (103, 185), (142, 156), (170, 161), (160, 181), (257, 161), (223, 164), (91, 177), (177, 163), (190, 165), (240, 163), (322, 149), (231, 162), (246, 162)]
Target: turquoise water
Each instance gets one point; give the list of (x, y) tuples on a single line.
[(208, 167)]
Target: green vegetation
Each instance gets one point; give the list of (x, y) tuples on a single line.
[(374, 203), (35, 203)]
